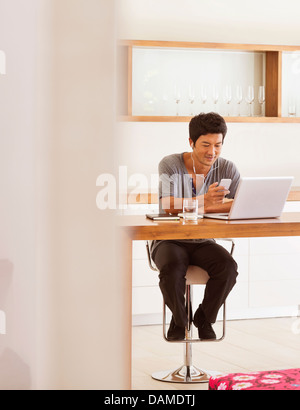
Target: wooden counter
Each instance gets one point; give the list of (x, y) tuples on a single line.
[(138, 227)]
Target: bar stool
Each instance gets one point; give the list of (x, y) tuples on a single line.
[(188, 373)]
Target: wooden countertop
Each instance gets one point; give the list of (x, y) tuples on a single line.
[(138, 227)]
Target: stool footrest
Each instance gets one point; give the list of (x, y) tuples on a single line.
[(185, 374)]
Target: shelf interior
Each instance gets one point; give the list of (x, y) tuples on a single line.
[(149, 72)]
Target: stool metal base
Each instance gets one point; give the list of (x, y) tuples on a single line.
[(185, 374)]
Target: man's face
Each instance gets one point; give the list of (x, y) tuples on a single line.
[(208, 148)]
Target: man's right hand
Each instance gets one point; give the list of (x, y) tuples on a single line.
[(214, 196)]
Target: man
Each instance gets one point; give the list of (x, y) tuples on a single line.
[(207, 133)]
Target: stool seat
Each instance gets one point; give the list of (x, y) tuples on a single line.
[(196, 276), (187, 373)]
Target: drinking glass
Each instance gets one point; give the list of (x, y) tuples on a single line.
[(239, 97), (227, 95), (191, 98), (250, 98), (292, 107), (203, 94), (190, 209), (215, 96), (261, 98), (177, 97)]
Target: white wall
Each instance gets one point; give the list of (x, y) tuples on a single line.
[(59, 286), (17, 182), (232, 21), (257, 149)]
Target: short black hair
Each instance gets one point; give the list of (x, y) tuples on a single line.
[(203, 124)]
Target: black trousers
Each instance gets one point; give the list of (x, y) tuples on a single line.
[(172, 259)]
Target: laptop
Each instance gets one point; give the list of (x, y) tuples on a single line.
[(258, 198)]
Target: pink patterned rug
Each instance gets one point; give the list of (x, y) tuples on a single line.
[(270, 380)]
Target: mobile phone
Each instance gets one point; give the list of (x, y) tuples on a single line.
[(225, 183), (163, 217)]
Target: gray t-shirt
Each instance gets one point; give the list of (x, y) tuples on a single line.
[(175, 181)]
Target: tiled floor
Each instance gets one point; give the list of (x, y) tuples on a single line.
[(250, 345)]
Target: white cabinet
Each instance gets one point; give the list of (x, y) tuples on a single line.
[(274, 267), (146, 295)]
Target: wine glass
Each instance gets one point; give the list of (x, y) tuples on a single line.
[(261, 97), (203, 94), (250, 98), (292, 106), (177, 98), (227, 95), (215, 96), (239, 97), (191, 97)]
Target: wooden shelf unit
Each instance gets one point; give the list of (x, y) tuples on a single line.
[(273, 105)]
